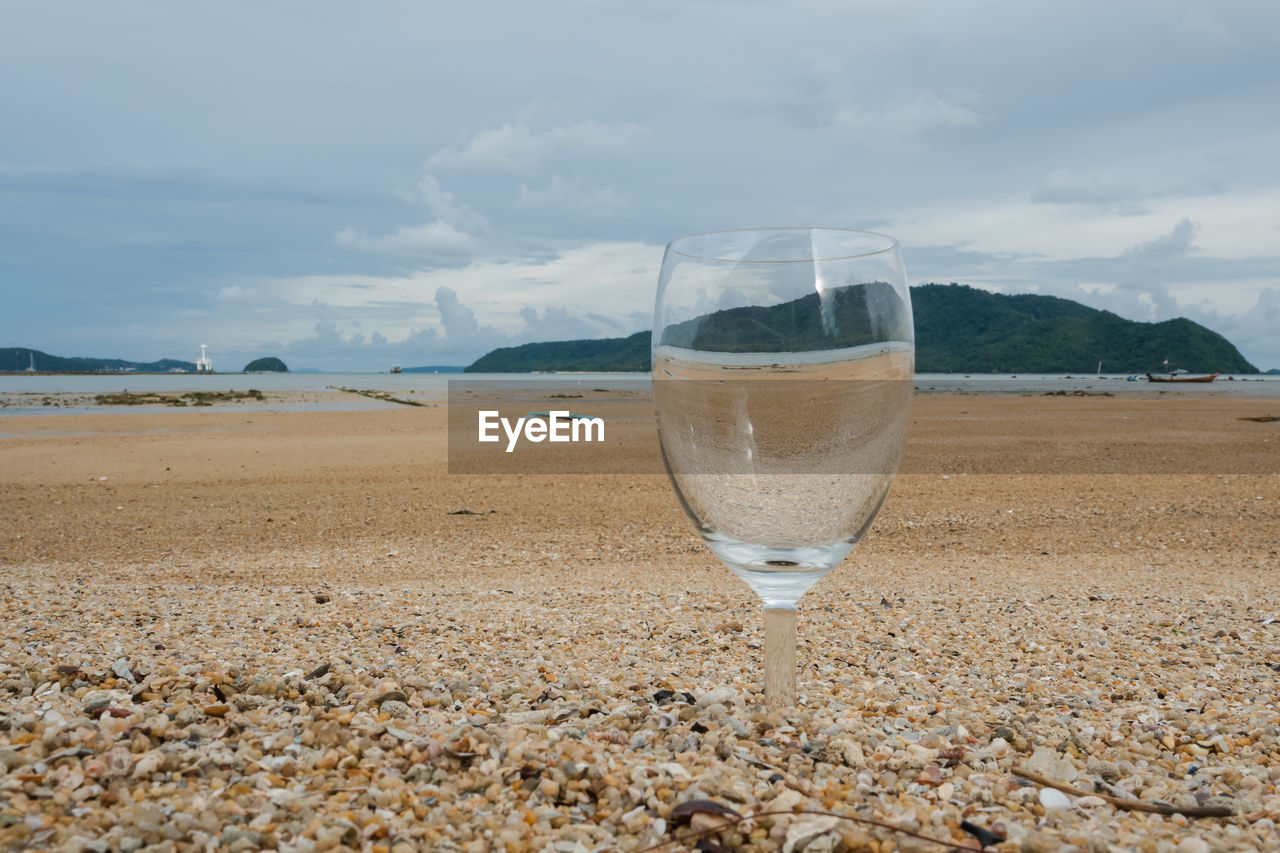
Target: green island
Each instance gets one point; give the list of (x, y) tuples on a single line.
[(266, 365), (959, 329)]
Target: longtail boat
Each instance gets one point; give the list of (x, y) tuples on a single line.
[(1209, 378)]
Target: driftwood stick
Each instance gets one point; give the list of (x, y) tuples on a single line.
[(1127, 805), (730, 821)]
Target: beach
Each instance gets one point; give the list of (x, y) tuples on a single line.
[(289, 626)]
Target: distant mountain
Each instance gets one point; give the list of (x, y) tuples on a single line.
[(271, 364), (1275, 371), (847, 317), (21, 358), (603, 355), (959, 329), (964, 329)]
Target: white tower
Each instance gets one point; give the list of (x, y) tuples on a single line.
[(204, 365)]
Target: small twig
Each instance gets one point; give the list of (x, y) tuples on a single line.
[(1127, 805), (756, 762), (732, 822)]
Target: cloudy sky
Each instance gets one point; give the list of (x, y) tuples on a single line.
[(347, 185)]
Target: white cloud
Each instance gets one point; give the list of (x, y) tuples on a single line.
[(233, 292), (559, 193), (1175, 244), (1239, 225), (448, 209), (1128, 192), (433, 238), (451, 234), (516, 149), (455, 315), (903, 120)]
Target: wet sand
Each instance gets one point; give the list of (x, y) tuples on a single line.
[(1109, 628)]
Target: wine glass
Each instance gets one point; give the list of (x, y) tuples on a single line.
[(783, 365)]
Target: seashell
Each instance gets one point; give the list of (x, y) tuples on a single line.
[(1052, 798), (68, 777), (805, 831), (674, 769), (931, 776), (614, 736), (148, 764), (70, 752), (463, 747), (119, 762)]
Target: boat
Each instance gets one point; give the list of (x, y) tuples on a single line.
[(1171, 378), (395, 368)]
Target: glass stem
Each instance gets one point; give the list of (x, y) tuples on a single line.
[(780, 657)]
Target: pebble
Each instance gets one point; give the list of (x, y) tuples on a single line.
[(720, 696), (121, 668), (96, 699)]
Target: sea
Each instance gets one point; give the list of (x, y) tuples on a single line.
[(23, 393)]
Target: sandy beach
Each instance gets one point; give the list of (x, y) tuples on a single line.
[(244, 628)]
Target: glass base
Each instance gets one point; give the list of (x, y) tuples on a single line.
[(778, 575)]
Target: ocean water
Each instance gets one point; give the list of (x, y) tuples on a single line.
[(22, 394), (434, 386)]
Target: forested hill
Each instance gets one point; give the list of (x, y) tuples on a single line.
[(603, 355), (964, 329), (959, 329), (21, 358)]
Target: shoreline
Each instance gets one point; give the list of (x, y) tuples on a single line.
[(334, 398)]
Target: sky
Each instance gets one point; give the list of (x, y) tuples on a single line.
[(350, 185)]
